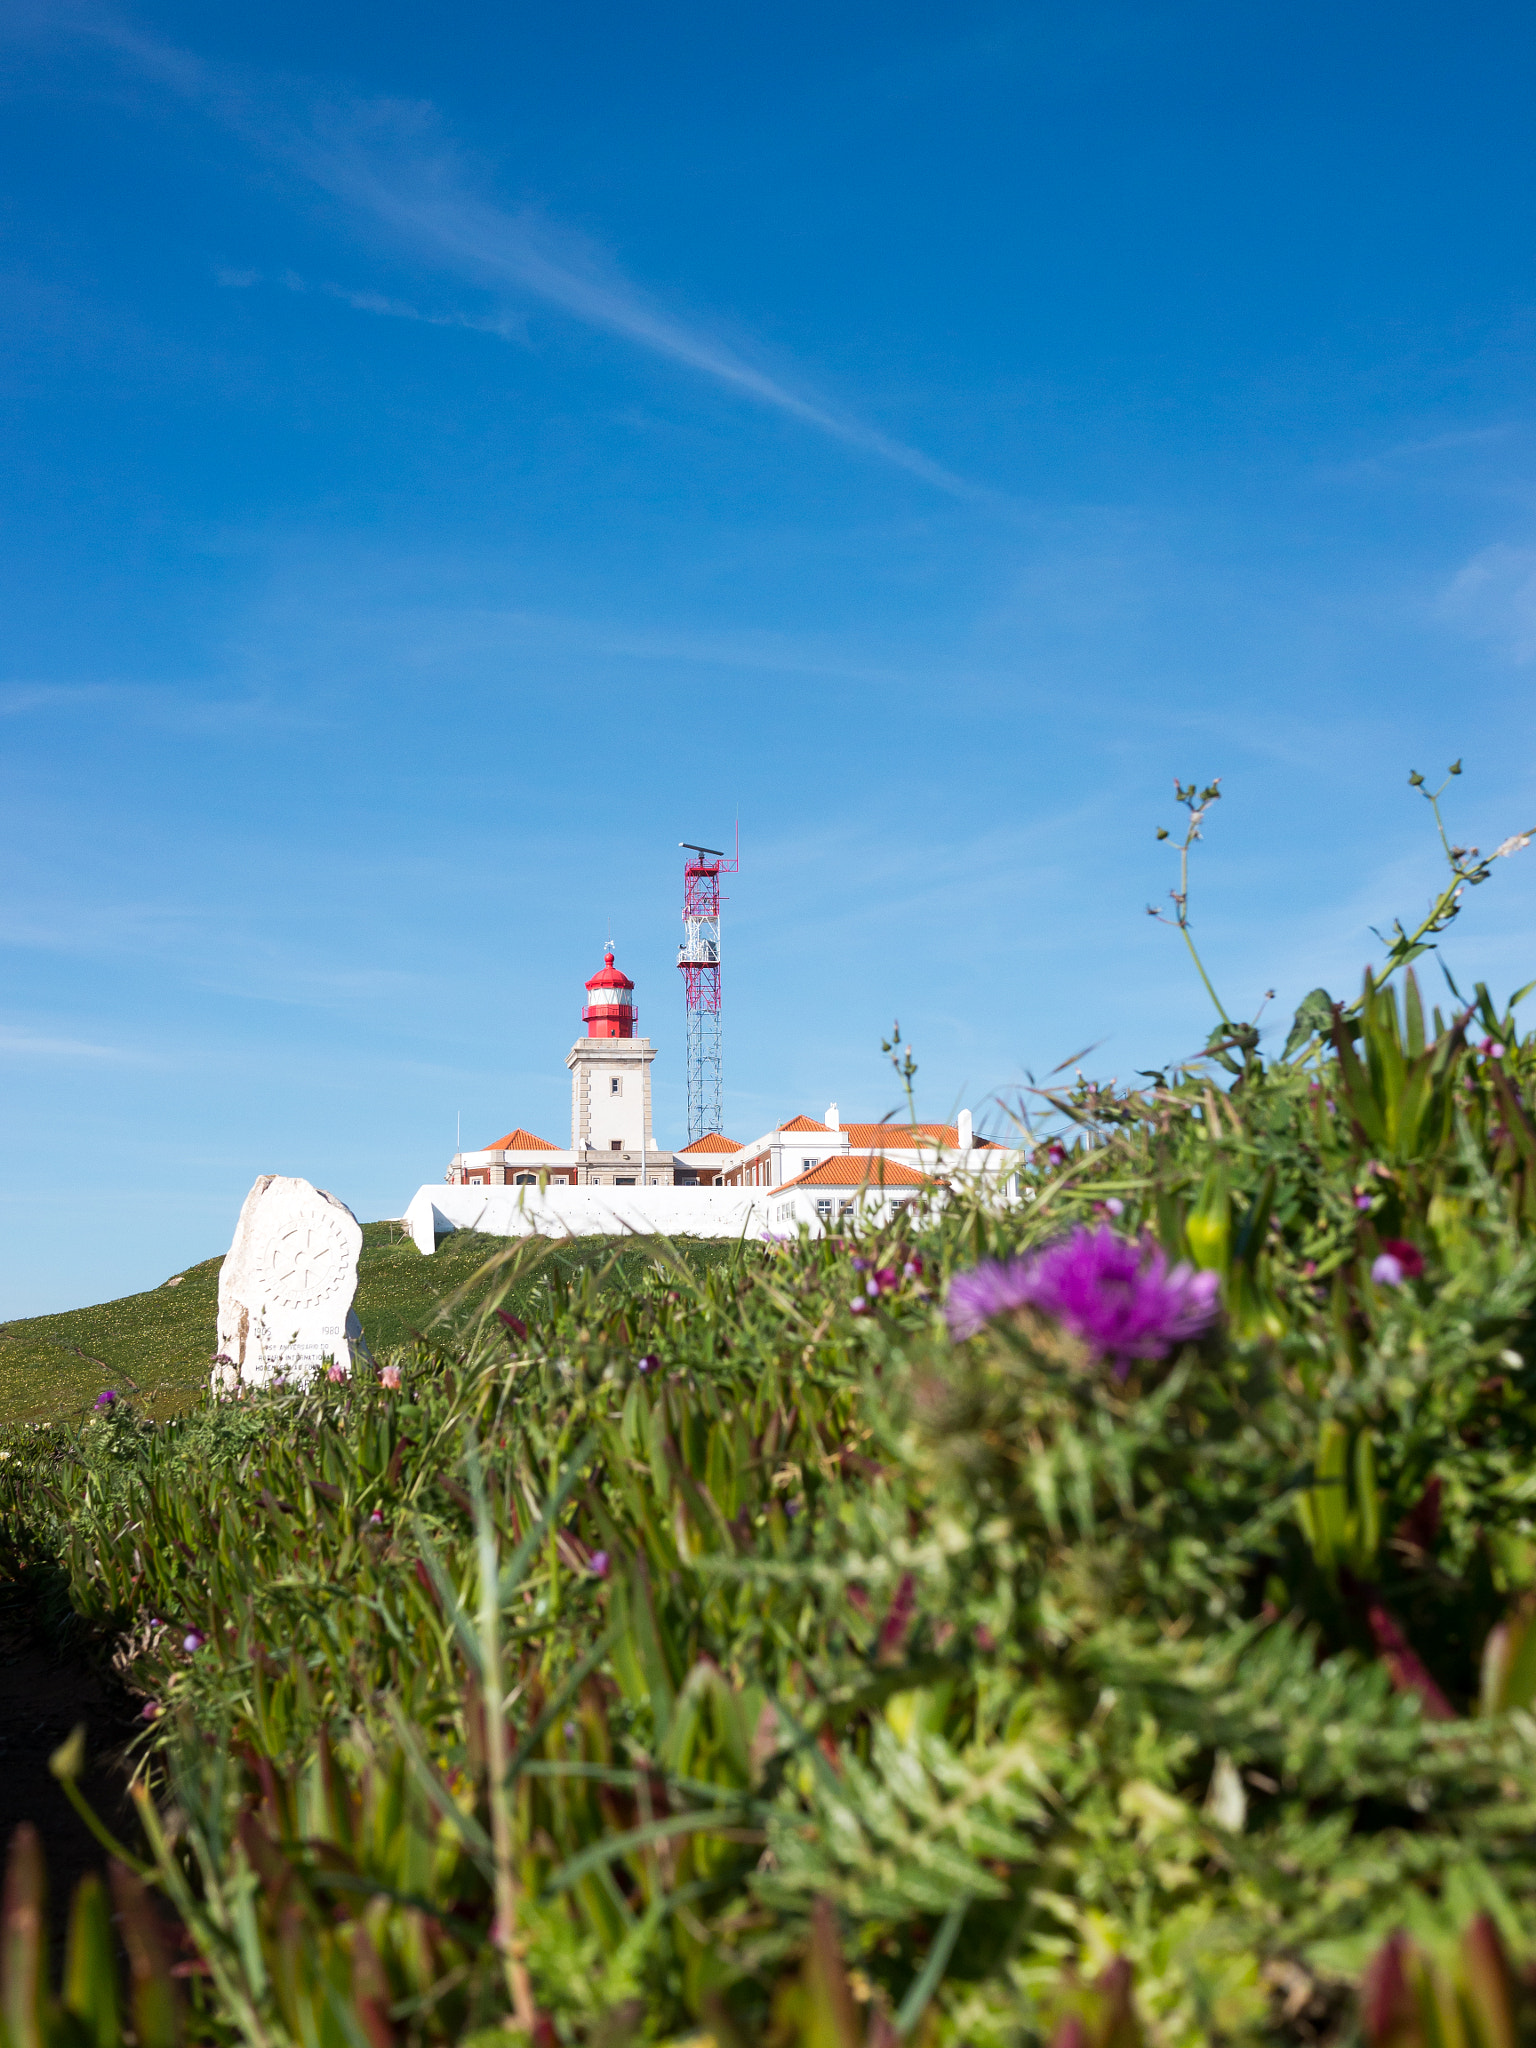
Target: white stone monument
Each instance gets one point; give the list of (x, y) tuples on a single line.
[(286, 1287)]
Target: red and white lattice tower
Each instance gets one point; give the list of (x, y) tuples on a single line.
[(699, 958)]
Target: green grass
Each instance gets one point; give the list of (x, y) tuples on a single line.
[(158, 1345)]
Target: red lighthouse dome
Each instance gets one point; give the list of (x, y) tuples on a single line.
[(610, 1007)]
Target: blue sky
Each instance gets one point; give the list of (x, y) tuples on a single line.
[(451, 458)]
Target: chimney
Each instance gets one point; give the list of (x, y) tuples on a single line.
[(967, 1137), (831, 1117)]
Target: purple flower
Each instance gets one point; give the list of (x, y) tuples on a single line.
[(191, 1642), (1119, 1297), (106, 1398), (649, 1363), (858, 1305), (597, 1564), (1362, 1201), (1397, 1261), (1407, 1255)]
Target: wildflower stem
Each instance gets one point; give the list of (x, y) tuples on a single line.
[(66, 1764), (905, 1068), (1434, 804), (1200, 970), (1468, 869), (1196, 802)]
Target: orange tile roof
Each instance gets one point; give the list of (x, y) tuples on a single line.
[(714, 1141), (521, 1141), (804, 1123), (905, 1137), (855, 1170)]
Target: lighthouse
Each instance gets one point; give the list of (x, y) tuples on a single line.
[(611, 1083)]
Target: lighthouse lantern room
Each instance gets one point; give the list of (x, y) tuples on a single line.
[(610, 1006)]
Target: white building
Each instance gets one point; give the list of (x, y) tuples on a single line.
[(802, 1171)]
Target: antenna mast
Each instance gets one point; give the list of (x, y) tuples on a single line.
[(699, 958)]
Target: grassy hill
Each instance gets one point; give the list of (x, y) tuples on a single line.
[(159, 1344)]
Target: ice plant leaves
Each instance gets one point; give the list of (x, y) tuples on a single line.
[(582, 1686)]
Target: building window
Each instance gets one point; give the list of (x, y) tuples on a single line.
[(615, 1144), (616, 1084), (620, 1181), (806, 1165), (824, 1209), (526, 1180)]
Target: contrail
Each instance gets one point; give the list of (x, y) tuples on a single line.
[(420, 198)]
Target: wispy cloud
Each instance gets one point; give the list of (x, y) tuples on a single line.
[(38, 1046), (17, 700), (268, 977), (75, 924), (391, 165), (1389, 461), (423, 201), (507, 326), (428, 636), (1493, 597), (162, 706)]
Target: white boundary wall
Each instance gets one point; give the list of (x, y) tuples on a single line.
[(558, 1211), (586, 1212)]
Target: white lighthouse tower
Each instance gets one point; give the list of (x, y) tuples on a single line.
[(611, 1084)]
